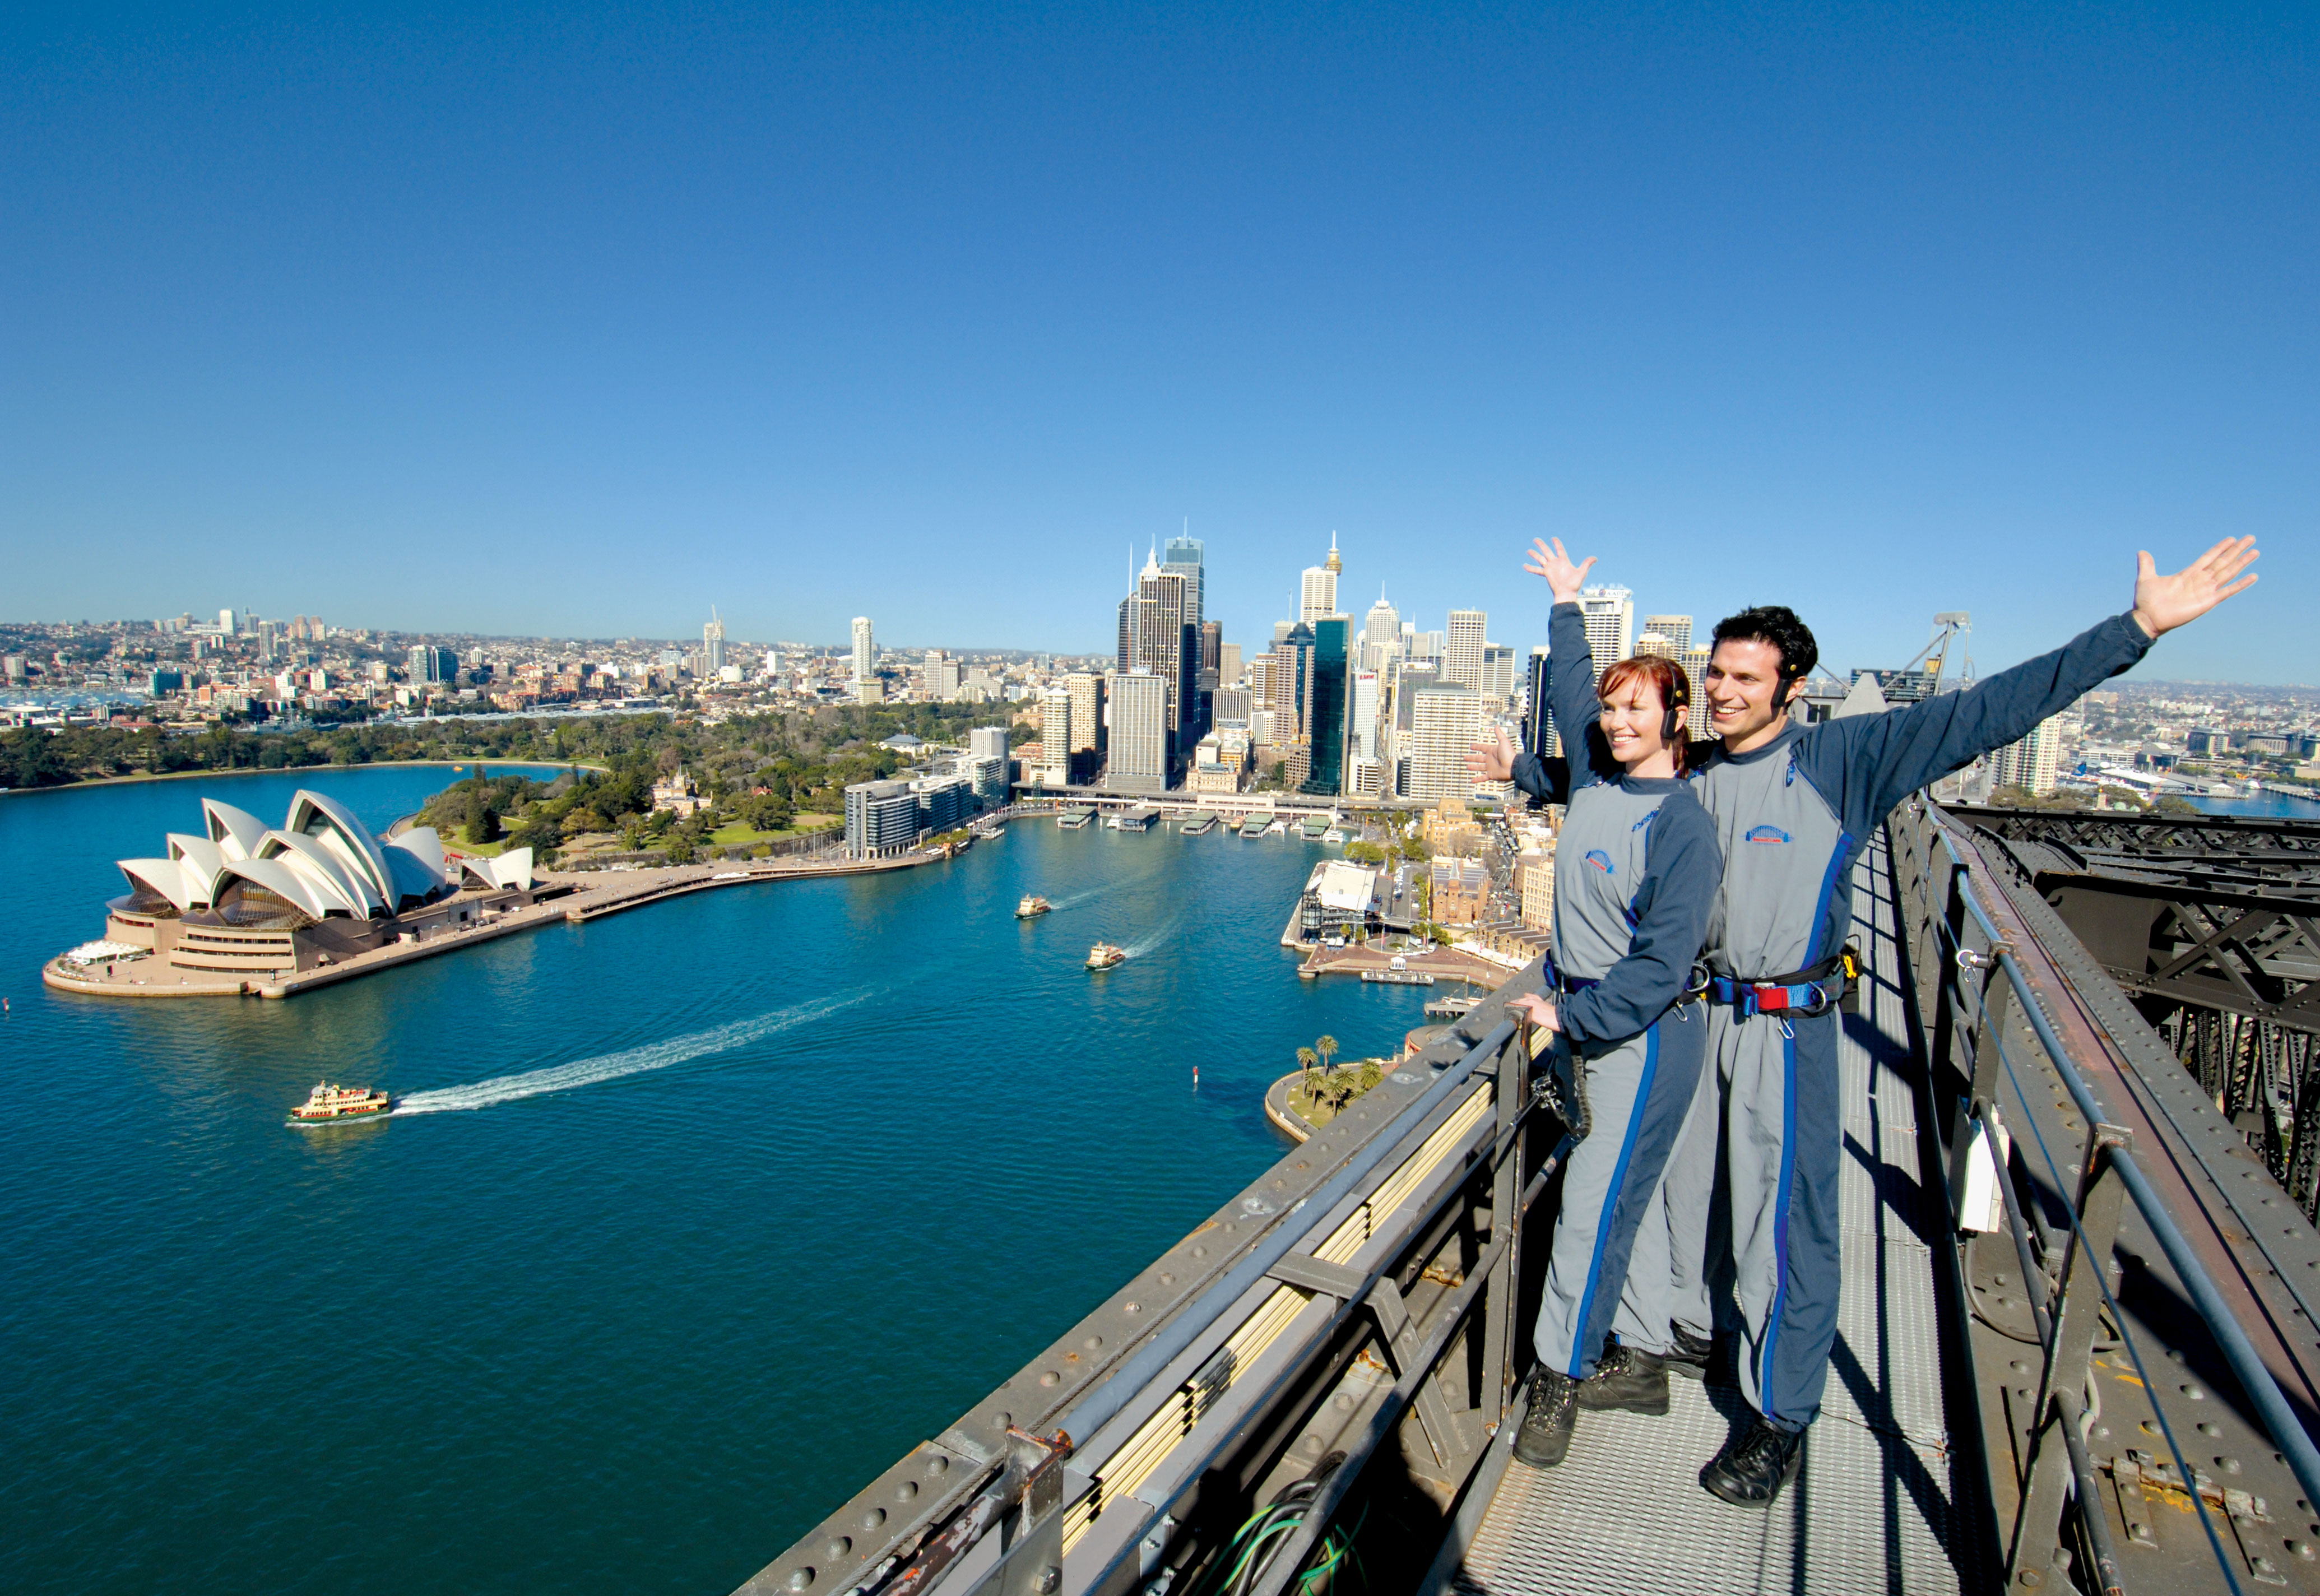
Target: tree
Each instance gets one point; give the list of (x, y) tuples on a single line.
[(1327, 1047), (1306, 1059)]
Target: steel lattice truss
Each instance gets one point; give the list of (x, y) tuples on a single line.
[(2213, 926)]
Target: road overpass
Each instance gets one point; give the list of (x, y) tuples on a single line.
[(2092, 1361)]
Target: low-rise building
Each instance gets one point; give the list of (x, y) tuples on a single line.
[(1459, 890)]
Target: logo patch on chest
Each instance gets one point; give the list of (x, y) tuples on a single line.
[(1600, 860), (1766, 834)]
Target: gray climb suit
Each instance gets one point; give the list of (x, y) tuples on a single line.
[(1792, 817), (1636, 870)]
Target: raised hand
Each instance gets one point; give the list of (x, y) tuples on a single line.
[(2162, 603), (1492, 761), (1555, 566)]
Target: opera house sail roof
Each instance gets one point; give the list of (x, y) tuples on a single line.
[(320, 863)]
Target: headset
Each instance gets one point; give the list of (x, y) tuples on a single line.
[(1677, 710)]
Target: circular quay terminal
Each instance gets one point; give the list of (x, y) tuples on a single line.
[(952, 800)]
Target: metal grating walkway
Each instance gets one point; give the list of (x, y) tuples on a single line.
[(1873, 1506)]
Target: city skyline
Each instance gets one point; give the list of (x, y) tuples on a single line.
[(1873, 342)]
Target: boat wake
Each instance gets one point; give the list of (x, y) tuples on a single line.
[(1147, 943), (613, 1066)]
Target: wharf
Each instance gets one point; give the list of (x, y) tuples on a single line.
[(572, 897), (1453, 964)]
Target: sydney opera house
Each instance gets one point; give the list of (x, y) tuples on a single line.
[(240, 899)]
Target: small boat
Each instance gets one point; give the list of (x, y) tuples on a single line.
[(335, 1105), (1104, 955), (1032, 908)]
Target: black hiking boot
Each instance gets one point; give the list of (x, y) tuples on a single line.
[(1629, 1380), (1545, 1433), (1755, 1464), (1691, 1355)]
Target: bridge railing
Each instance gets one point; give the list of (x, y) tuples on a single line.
[(1967, 975), (1370, 1308)]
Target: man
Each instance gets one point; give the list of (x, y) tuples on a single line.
[(1794, 806)]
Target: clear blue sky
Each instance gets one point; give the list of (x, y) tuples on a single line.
[(553, 323)]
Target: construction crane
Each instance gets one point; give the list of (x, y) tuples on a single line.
[(1951, 628)]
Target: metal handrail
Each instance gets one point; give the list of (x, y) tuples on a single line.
[(2279, 1418), (1136, 1374)]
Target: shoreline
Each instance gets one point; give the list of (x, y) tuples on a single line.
[(576, 904), (186, 775)]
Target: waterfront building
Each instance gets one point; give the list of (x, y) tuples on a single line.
[(944, 802), (1462, 657), (1165, 646), (1086, 690), (712, 645), (1055, 768), (1610, 616), (1187, 558), (1675, 629), (239, 897), (866, 652), (1444, 721), (882, 819), (987, 742), (1139, 761)]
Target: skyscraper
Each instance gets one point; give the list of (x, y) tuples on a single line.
[(1325, 686), (1461, 657), (1228, 666), (1055, 735), (1318, 593), (2031, 763), (712, 644), (865, 653), (1497, 677), (1538, 721), (1139, 733), (1362, 760), (1380, 633), (1610, 614), (1695, 665), (1086, 689), (1675, 629), (1168, 648), (1187, 558), (1444, 721)]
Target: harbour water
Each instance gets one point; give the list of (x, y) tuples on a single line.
[(2270, 805), (690, 1220)]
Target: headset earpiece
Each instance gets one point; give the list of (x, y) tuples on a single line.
[(1673, 722)]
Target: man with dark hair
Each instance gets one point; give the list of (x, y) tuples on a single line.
[(1794, 806)]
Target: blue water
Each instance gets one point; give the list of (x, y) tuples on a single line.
[(721, 1204), (2273, 805)]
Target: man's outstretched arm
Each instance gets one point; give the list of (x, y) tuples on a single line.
[(1874, 761)]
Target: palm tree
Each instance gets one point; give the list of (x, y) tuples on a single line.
[(1327, 1047), (1306, 1059)]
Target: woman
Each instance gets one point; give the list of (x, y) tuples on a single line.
[(1635, 872)]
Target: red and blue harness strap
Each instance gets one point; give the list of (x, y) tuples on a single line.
[(1800, 991)]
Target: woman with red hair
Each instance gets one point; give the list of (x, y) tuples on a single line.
[(1635, 872)]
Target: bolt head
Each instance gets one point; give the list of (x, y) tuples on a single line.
[(1050, 1580)]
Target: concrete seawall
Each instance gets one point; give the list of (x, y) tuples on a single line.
[(581, 897)]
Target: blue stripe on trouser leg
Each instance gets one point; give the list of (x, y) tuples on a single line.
[(1637, 1095), (1804, 1328), (1783, 1143)]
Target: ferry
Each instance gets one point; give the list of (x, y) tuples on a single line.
[(335, 1105), (1104, 955), (1032, 908)]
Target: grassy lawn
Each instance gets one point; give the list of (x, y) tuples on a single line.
[(489, 850), (1321, 1106), (740, 834)]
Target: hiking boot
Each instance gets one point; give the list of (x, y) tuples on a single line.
[(1627, 1379), (1545, 1433), (1692, 1353), (1755, 1464)]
